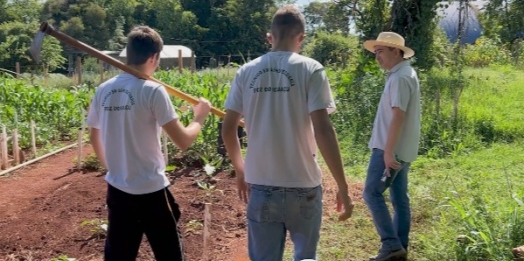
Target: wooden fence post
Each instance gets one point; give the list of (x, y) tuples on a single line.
[(193, 64), (180, 64), (16, 151), (17, 69), (228, 63), (33, 138), (80, 142), (79, 69), (207, 224), (101, 70), (5, 158)]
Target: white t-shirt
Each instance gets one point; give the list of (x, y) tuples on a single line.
[(129, 113), (276, 93), (402, 90)]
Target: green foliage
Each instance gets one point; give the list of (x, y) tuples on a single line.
[(90, 162), (15, 40), (325, 16), (486, 52), (332, 49), (97, 227), (503, 20), (415, 21), (204, 85), (63, 258), (56, 112)]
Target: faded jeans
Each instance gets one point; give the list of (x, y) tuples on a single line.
[(394, 233), (272, 211)]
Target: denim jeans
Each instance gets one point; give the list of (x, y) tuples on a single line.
[(394, 233), (272, 211)]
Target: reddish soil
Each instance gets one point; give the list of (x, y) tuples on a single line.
[(43, 205)]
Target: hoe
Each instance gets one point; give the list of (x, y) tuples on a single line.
[(46, 28)]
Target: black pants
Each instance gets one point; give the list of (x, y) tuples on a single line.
[(130, 216)]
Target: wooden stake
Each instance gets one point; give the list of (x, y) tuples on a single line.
[(228, 63), (101, 70), (164, 146), (207, 224), (16, 152), (193, 64), (17, 69), (79, 69), (33, 138), (5, 159), (80, 143), (180, 64), (32, 75)]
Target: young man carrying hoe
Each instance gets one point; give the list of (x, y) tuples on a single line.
[(285, 99), (126, 117), (394, 143)]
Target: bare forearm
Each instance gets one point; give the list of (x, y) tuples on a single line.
[(394, 130), (327, 141), (182, 136), (193, 129), (99, 149)]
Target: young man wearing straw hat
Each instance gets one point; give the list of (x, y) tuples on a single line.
[(394, 143), (285, 99)]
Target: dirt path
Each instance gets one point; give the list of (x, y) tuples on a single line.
[(43, 205)]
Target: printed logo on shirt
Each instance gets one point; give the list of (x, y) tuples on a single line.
[(125, 107), (272, 89)]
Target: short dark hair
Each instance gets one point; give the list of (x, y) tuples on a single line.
[(288, 21), (142, 43)]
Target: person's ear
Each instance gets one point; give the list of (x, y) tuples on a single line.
[(301, 38), (269, 38)]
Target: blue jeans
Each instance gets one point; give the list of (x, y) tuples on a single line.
[(272, 211), (394, 233)]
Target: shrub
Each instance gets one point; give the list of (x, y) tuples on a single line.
[(332, 49)]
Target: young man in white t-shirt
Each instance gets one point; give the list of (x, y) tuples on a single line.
[(285, 99), (394, 143), (126, 117)]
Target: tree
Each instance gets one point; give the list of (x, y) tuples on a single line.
[(120, 9), (119, 39), (240, 27), (331, 48), (26, 11), (414, 20), (82, 19), (16, 38), (326, 16)]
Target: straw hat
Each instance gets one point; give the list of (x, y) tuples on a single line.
[(389, 39)]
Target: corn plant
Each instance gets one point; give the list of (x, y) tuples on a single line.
[(56, 112)]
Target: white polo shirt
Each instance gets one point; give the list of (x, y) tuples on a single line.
[(402, 90), (276, 93), (129, 113)]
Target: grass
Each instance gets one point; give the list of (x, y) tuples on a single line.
[(436, 224), (494, 96)]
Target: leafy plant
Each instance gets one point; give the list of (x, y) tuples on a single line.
[(63, 258), (90, 162), (97, 227), (193, 226)]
